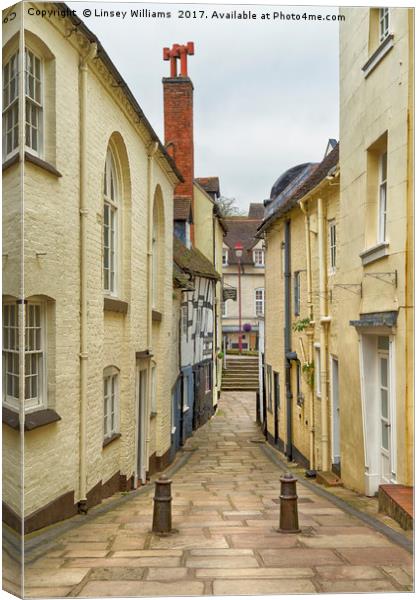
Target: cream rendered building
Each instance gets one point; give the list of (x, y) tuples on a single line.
[(376, 246), (299, 230), (339, 260), (96, 293)]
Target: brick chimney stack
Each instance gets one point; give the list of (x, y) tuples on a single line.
[(178, 117)]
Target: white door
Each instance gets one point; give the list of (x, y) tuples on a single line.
[(335, 411), (384, 409), (141, 425)]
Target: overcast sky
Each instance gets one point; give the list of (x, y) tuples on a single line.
[(265, 92)]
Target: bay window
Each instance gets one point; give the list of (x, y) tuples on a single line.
[(35, 372), (33, 73)]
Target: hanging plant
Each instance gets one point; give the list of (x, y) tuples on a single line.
[(308, 370), (301, 324), (221, 355), (247, 327)]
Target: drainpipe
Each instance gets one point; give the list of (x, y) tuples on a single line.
[(310, 333), (324, 322), (151, 151), (287, 337), (82, 504)]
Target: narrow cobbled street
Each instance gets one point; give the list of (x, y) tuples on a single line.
[(226, 509)]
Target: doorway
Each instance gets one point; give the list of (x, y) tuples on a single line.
[(336, 458), (276, 407), (141, 466), (384, 410)]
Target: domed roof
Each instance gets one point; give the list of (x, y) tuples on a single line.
[(286, 178)]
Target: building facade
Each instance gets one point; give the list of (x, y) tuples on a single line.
[(338, 392), (300, 245), (376, 246), (91, 382), (198, 234), (251, 265)]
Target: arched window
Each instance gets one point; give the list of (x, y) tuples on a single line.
[(110, 228), (158, 252), (155, 262)]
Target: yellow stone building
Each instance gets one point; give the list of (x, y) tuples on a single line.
[(96, 292), (339, 266), (375, 247), (299, 232)]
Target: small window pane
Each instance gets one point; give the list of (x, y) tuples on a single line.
[(385, 440), (383, 342), (384, 372), (384, 403)]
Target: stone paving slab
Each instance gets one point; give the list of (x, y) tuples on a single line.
[(226, 587), (105, 589), (254, 573), (341, 587), (226, 512)]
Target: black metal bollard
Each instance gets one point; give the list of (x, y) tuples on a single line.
[(162, 509), (289, 521)]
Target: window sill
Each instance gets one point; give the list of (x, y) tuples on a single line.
[(156, 316), (381, 51), (110, 439), (35, 160), (374, 253), (33, 420), (144, 354), (114, 305)]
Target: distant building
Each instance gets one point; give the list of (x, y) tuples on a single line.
[(242, 230)]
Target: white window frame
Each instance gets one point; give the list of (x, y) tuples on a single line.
[(382, 196), (332, 241), (317, 349), (225, 257), (112, 209), (207, 377), (35, 358), (259, 302), (34, 105), (111, 383), (383, 24), (184, 314), (11, 106), (259, 257)]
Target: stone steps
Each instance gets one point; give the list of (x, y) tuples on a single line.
[(241, 375)]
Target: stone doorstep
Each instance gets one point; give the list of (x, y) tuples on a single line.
[(328, 479)]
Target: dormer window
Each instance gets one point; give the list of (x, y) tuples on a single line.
[(225, 257), (259, 258)]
